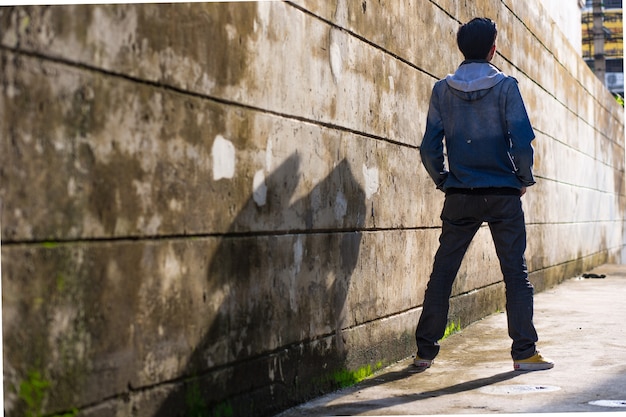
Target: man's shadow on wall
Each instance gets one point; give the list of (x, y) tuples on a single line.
[(276, 339)]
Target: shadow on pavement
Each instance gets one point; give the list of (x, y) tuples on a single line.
[(354, 408)]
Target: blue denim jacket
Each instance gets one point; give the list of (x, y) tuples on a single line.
[(480, 113)]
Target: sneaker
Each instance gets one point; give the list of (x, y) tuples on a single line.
[(422, 364), (534, 363)]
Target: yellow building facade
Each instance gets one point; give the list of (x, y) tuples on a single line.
[(613, 44)]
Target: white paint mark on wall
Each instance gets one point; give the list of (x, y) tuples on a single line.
[(335, 62), (268, 156), (175, 205), (200, 118), (223, 153), (271, 370), (71, 187), (231, 31), (113, 34), (144, 192), (259, 189), (153, 225), (371, 181), (262, 15), (172, 270), (392, 85), (316, 200), (341, 206), (298, 254)]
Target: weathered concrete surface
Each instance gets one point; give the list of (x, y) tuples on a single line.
[(153, 164), (220, 208), (580, 326)]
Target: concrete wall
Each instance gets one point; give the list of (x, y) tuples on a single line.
[(567, 16), (219, 208)]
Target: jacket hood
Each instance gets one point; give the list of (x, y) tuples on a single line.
[(473, 79)]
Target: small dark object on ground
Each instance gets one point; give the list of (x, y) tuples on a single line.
[(594, 276)]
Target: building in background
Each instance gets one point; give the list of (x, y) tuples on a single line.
[(613, 51)]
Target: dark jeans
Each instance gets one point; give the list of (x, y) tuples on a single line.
[(462, 216)]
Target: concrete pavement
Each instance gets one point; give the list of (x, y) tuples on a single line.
[(582, 327)]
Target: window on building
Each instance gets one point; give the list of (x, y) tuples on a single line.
[(608, 4), (612, 4), (614, 65)]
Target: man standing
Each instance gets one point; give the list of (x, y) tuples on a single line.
[(480, 113)]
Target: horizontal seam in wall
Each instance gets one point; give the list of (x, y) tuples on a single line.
[(178, 90), (419, 307), (583, 257), (578, 185), (578, 223), (364, 40), (405, 61), (278, 233), (270, 233), (599, 103), (593, 157)]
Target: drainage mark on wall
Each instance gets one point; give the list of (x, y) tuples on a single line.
[(518, 389), (609, 403)]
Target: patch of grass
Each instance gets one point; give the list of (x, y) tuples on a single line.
[(346, 378), (451, 329), (32, 391)]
